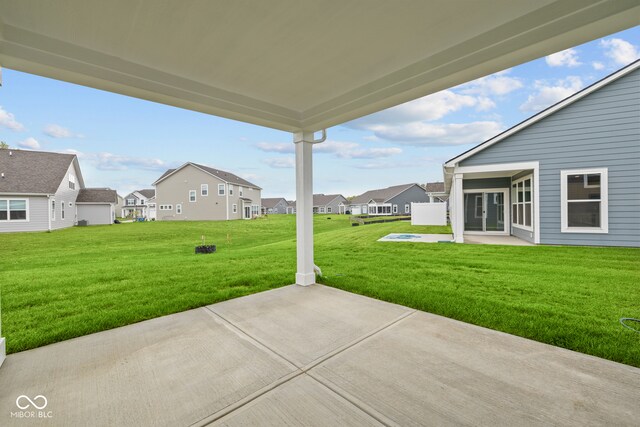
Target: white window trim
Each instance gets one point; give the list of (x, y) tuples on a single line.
[(195, 196), (395, 209), (179, 209), (230, 189), (235, 208), (241, 191), (221, 190), (329, 209), (62, 210), (166, 207), (52, 206), (204, 188), (26, 206), (511, 202), (407, 208), (604, 201)]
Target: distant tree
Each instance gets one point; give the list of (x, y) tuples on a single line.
[(3, 145)]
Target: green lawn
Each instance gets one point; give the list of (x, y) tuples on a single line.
[(76, 281)]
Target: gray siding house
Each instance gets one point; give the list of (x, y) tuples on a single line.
[(140, 204), (276, 205), (198, 192), (569, 175), (38, 190), (97, 206), (394, 200), (329, 203)]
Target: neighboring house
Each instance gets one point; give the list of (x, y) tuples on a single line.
[(198, 192), (38, 190), (567, 176), (139, 204), (329, 203), (97, 205), (394, 200), (436, 192), (276, 205), (291, 206)]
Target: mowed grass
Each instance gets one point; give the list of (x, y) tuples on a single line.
[(73, 282)]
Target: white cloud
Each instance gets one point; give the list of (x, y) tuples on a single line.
[(105, 161), (497, 84), (280, 162), (565, 58), (620, 51), (432, 107), (9, 121), (57, 131), (29, 143), (339, 149), (422, 134), (547, 95), (597, 65)]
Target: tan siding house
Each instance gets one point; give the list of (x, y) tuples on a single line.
[(196, 192)]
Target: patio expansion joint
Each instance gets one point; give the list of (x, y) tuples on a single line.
[(303, 370)]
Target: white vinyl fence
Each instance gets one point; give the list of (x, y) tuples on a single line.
[(428, 214)]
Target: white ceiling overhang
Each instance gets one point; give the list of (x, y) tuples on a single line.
[(292, 64)]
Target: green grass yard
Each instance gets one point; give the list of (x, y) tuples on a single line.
[(68, 283)]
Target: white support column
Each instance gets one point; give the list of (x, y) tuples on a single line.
[(304, 207), (3, 344), (458, 206)]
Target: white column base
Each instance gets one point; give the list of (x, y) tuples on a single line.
[(305, 279), (3, 350)]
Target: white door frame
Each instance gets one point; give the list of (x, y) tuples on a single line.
[(505, 207)]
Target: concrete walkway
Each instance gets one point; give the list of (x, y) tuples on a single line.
[(313, 356)]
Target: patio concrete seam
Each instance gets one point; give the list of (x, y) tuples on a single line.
[(248, 336), (358, 340), (381, 418), (245, 400)]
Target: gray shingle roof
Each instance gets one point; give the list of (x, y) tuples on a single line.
[(381, 195), (272, 202), (97, 195), (435, 187), (224, 175), (148, 193), (35, 172), (324, 199)]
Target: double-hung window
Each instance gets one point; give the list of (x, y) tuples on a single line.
[(62, 210), (241, 191), (522, 202), (179, 209), (192, 196), (13, 210), (230, 190), (220, 189), (72, 182), (584, 201), (407, 208), (204, 189)]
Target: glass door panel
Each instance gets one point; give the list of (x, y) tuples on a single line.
[(473, 211), (494, 211)]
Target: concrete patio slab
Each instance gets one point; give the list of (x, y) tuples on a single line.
[(313, 356), (431, 370), (303, 324), (173, 370)]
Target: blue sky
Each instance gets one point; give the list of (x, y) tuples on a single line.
[(126, 143)]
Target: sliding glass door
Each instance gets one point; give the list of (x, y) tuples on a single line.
[(485, 211)]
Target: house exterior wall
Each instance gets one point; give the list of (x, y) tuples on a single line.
[(478, 184), (95, 214), (335, 205), (601, 130), (279, 208), (38, 215), (415, 194), (68, 196), (175, 189)]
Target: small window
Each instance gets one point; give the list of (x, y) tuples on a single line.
[(395, 209), (585, 201), (192, 196), (407, 208), (204, 190), (53, 210), (131, 202), (235, 208), (329, 209), (241, 191), (322, 209), (270, 210), (220, 189), (166, 207), (230, 190), (72, 182), (179, 209), (62, 210)]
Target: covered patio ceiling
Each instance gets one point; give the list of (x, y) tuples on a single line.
[(292, 64)]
